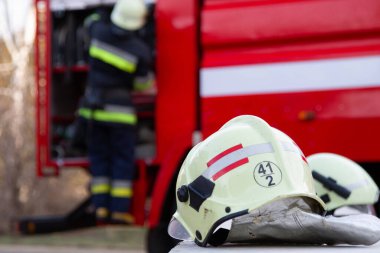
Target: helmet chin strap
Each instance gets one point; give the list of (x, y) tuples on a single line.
[(292, 221)]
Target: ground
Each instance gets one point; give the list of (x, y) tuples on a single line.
[(110, 239)]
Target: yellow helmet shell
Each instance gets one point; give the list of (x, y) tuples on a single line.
[(243, 166), (129, 14)]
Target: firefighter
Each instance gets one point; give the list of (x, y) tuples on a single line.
[(119, 62), (343, 185)]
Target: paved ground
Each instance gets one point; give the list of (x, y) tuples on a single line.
[(52, 249), (126, 239), (112, 239)]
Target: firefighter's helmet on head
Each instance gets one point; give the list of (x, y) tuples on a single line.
[(243, 166), (129, 14), (340, 182)]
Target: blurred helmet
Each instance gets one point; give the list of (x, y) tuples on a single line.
[(340, 182), (129, 14), (244, 165)]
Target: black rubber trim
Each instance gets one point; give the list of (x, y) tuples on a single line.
[(325, 198), (219, 237), (200, 190), (216, 224), (332, 185)]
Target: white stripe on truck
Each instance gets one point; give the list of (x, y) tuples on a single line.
[(313, 75)]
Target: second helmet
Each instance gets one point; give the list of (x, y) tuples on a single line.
[(340, 181)]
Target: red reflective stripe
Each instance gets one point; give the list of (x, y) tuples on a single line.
[(300, 151), (229, 168), (224, 153), (295, 144), (304, 159)]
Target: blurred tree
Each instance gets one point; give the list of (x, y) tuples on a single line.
[(15, 119), (22, 193)]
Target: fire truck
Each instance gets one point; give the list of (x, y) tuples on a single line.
[(308, 67)]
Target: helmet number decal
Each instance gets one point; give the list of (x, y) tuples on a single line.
[(267, 174)]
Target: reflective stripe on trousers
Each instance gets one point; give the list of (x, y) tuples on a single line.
[(100, 185), (121, 189), (118, 192)]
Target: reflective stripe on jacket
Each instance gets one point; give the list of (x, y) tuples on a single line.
[(111, 114), (112, 55), (142, 83), (117, 57)]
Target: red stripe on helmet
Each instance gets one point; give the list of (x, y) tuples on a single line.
[(229, 168), (304, 159), (224, 153)]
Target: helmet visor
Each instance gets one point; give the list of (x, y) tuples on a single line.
[(178, 231)]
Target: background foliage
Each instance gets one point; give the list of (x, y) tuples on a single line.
[(21, 192)]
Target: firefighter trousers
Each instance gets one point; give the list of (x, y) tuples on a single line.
[(111, 154)]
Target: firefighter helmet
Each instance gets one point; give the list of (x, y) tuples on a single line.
[(340, 181), (241, 167), (129, 14)]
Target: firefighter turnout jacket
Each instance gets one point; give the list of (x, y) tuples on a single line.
[(119, 63)]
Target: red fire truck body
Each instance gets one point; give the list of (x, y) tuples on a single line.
[(308, 67)]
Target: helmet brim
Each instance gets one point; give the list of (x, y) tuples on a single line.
[(178, 231)]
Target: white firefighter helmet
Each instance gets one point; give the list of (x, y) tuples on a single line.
[(243, 166), (340, 182), (129, 14)]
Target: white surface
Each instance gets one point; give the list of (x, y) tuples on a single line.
[(291, 76), (58, 5), (19, 15), (190, 247)]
